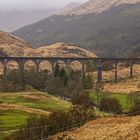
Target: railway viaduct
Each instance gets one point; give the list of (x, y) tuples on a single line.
[(53, 60)]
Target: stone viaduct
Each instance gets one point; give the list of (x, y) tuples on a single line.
[(53, 60)]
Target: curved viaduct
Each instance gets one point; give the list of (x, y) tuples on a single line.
[(53, 60)]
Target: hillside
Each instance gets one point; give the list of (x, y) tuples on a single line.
[(16, 108), (94, 6), (136, 51), (116, 29), (119, 128), (125, 85), (14, 46), (61, 50)]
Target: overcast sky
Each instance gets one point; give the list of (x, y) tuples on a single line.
[(33, 4)]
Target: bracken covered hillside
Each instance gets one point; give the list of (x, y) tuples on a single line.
[(121, 128), (14, 46), (62, 50)]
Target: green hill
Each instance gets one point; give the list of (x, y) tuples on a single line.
[(16, 108)]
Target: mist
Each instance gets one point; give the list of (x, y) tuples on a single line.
[(15, 14), (6, 5)]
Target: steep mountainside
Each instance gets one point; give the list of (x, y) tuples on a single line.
[(116, 29), (14, 46)]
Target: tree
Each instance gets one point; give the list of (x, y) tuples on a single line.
[(110, 105), (98, 88), (84, 100), (36, 80), (67, 83), (91, 66), (56, 70), (87, 81), (31, 77)]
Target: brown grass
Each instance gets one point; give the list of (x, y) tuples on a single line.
[(121, 128), (7, 106), (125, 84)]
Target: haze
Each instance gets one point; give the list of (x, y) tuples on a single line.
[(33, 4), (15, 14)]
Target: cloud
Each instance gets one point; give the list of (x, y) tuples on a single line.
[(33, 4)]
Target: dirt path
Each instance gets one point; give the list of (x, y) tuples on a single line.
[(6, 106)]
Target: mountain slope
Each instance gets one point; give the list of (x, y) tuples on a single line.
[(14, 46), (116, 30), (98, 6), (69, 7), (61, 50)]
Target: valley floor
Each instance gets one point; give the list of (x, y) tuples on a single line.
[(115, 128)]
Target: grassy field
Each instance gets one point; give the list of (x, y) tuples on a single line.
[(37, 100), (12, 119), (16, 108), (125, 103), (123, 88)]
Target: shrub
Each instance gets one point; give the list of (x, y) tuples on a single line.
[(107, 66), (84, 100), (110, 105), (91, 66), (135, 110), (33, 130), (1, 102), (88, 81), (134, 100)]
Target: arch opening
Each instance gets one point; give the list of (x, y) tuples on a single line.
[(45, 66), (76, 65), (30, 65), (60, 63)]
